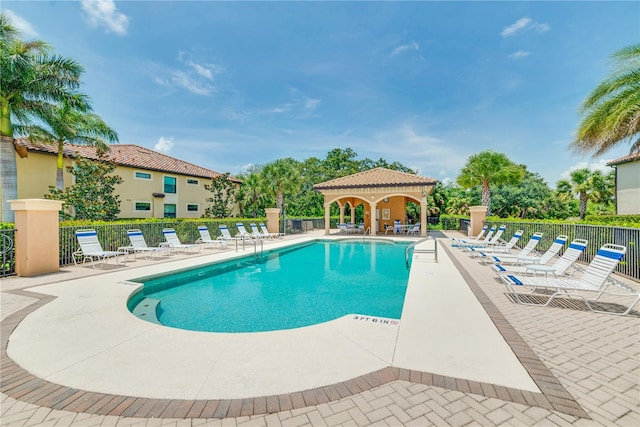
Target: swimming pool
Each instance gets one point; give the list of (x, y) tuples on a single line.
[(287, 288)]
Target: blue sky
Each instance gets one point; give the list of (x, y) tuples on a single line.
[(230, 84)]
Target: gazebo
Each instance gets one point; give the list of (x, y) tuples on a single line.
[(384, 194)]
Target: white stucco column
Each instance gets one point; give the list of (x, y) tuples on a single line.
[(423, 216), (353, 213), (341, 206), (372, 217), (327, 218)]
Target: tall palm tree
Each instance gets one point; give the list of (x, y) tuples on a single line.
[(279, 177), (33, 81), (69, 125), (590, 186), (612, 110), (489, 168), (250, 196)]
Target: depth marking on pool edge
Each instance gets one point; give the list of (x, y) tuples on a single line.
[(375, 320)]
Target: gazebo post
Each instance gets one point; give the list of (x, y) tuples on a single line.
[(341, 206), (372, 217), (423, 214), (327, 218)]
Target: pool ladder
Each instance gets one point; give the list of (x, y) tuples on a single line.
[(255, 245), (433, 251)]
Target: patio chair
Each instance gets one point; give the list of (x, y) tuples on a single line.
[(173, 242), (466, 243), (226, 235), (255, 232), (266, 232), (505, 248), (490, 239), (397, 227), (497, 256), (415, 230), (343, 228), (525, 256), (139, 245), (242, 232), (595, 280), (478, 237), (91, 249), (205, 238), (559, 268)]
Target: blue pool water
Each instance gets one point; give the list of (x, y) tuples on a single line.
[(288, 288)]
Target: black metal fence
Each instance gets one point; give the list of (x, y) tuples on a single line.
[(7, 252), (597, 236)]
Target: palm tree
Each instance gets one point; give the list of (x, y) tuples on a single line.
[(590, 186), (250, 196), (32, 83), (489, 168), (279, 177), (73, 126), (612, 110)]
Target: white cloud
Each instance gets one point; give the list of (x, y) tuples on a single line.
[(163, 145), (600, 165), (21, 24), (103, 13), (404, 48), (311, 104), (193, 85), (519, 54), (523, 24)]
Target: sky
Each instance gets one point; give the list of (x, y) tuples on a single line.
[(227, 85)]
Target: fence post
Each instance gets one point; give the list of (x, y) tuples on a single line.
[(37, 236)]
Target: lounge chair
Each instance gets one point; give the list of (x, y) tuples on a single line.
[(205, 238), (343, 228), (539, 266), (139, 245), (266, 232), (255, 232), (242, 232), (476, 238), (490, 240), (91, 249), (505, 248), (226, 235), (466, 243), (174, 242), (595, 280), (491, 255)]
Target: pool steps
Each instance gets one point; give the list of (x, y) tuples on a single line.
[(147, 310)]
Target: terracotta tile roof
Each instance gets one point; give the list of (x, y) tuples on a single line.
[(378, 177), (629, 158), (129, 155)]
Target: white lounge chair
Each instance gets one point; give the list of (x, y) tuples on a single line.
[(139, 245), (225, 234), (480, 235), (242, 232), (343, 228), (91, 249), (205, 238), (506, 248), (559, 268), (595, 280), (490, 255), (255, 232), (266, 232), (466, 243), (174, 242), (490, 240)]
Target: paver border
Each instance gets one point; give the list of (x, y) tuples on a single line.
[(21, 385)]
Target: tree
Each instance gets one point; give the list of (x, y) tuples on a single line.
[(223, 195), (612, 110), (250, 197), (92, 196), (489, 168), (589, 185), (72, 125), (33, 81), (279, 177)]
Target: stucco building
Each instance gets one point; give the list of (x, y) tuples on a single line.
[(154, 185), (627, 184)]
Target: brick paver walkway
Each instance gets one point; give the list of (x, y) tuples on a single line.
[(595, 358)]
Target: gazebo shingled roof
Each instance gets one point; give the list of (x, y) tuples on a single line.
[(378, 177)]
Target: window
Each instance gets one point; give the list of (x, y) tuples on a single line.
[(192, 208), (169, 211), (169, 185), (142, 175), (142, 206), (192, 181)]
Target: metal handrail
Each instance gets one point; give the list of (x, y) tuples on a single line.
[(368, 230), (421, 251), (255, 245)]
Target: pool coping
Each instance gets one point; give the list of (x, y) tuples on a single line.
[(22, 385)]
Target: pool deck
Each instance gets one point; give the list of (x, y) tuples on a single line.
[(462, 353)]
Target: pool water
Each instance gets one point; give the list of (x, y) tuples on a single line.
[(284, 289)]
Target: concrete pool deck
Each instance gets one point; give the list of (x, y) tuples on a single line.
[(81, 339)]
